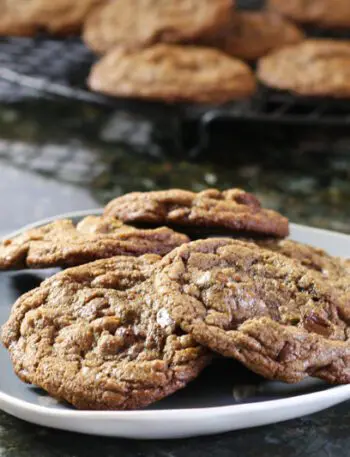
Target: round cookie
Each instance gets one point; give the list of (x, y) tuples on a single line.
[(94, 337), (253, 34), (257, 306), (172, 74), (211, 211), (59, 16), (62, 243), (12, 24), (135, 23), (324, 13), (311, 68)]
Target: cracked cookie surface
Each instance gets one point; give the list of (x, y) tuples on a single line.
[(230, 211), (258, 306), (62, 243), (95, 337)]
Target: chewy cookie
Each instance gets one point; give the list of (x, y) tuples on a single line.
[(61, 243), (231, 211), (135, 23), (173, 74), (331, 269), (12, 24), (253, 34), (311, 68), (324, 13), (94, 337), (268, 311), (59, 16)]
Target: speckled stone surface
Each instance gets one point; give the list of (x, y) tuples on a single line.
[(62, 158)]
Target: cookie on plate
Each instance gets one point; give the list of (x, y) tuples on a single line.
[(311, 68), (327, 267), (173, 73), (267, 311), (139, 23), (94, 337), (253, 34), (62, 243), (211, 211), (324, 13), (59, 17)]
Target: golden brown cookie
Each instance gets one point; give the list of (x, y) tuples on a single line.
[(62, 243), (324, 13), (254, 34), (135, 23), (260, 307), (11, 22), (210, 211), (172, 73), (59, 16), (311, 68), (95, 337)]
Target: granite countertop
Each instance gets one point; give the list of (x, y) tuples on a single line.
[(55, 159)]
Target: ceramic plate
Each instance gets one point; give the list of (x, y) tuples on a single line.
[(225, 397)]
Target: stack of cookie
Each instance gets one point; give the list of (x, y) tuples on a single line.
[(130, 328)]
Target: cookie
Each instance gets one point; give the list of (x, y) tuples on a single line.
[(61, 243), (141, 23), (253, 34), (59, 17), (331, 269), (324, 13), (94, 337), (172, 74), (12, 24), (231, 211), (311, 68), (267, 311)]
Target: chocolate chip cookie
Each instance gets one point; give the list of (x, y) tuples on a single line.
[(209, 211), (331, 269), (258, 306), (62, 243), (311, 68), (94, 336), (172, 74), (140, 23), (251, 35), (324, 13)]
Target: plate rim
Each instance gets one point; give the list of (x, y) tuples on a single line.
[(339, 393)]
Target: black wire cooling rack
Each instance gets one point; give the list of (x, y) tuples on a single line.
[(45, 67)]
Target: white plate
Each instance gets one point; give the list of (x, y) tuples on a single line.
[(225, 397)]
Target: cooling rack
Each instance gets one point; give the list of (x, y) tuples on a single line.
[(45, 67)]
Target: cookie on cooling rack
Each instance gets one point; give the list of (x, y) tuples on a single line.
[(173, 73), (312, 68), (58, 17), (135, 23), (253, 34), (324, 13)]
